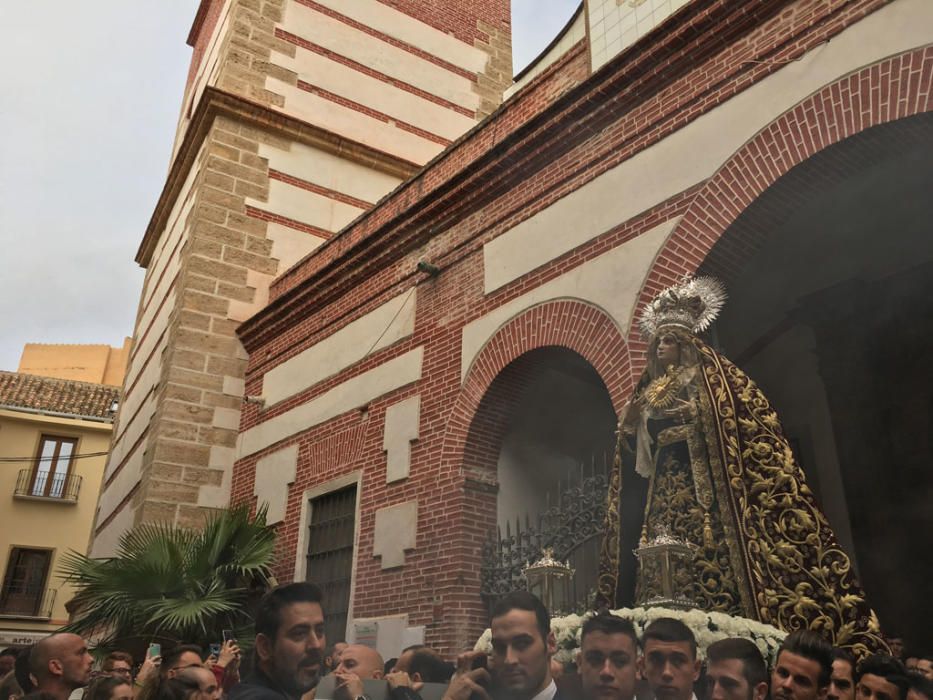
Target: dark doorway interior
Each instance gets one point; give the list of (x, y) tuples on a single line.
[(833, 317)]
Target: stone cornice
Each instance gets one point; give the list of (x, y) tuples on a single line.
[(215, 103), (455, 184)]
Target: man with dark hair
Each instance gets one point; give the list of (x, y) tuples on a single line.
[(920, 688), (404, 660), (881, 677), (60, 664), (607, 658), (289, 645), (925, 666), (206, 681), (520, 663), (149, 683), (180, 658), (426, 666), (735, 671), (7, 659), (669, 659), (803, 668), (842, 680)]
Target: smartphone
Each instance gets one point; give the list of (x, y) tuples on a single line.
[(155, 649), (215, 649), (228, 636)]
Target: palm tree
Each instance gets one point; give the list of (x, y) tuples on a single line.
[(174, 584)]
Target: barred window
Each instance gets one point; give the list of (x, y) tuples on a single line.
[(331, 536)]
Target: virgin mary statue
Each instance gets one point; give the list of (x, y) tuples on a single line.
[(724, 488)]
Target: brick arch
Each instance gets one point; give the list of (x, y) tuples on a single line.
[(475, 427), (891, 90), (477, 417)]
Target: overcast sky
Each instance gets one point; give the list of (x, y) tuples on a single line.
[(89, 98)]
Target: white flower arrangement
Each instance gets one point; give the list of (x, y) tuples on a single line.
[(706, 627)]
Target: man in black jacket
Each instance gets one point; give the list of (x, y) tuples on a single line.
[(289, 647)]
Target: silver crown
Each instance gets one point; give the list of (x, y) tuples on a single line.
[(693, 303)]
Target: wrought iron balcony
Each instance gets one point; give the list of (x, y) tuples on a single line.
[(46, 486), (26, 601)]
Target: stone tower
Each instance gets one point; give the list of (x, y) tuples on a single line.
[(298, 116)]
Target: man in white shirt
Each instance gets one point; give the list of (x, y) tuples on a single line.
[(607, 658), (669, 659), (519, 667), (735, 670)]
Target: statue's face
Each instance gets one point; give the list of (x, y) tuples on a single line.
[(668, 349)]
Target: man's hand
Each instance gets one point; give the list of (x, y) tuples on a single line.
[(348, 685), (467, 660), (149, 668), (468, 683), (400, 679), (229, 652)]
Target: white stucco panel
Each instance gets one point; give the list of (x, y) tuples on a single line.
[(400, 26), (290, 245), (611, 281), (353, 124), (380, 328), (365, 49), (122, 484), (107, 539), (401, 428), (274, 474), (376, 94), (351, 394), (221, 458), (307, 207), (692, 154), (395, 532), (331, 171)]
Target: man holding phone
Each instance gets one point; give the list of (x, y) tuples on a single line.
[(519, 667)]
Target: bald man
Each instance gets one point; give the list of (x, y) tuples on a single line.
[(60, 664), (357, 663)]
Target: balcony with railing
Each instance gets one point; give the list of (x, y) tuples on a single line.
[(47, 486), (27, 601)]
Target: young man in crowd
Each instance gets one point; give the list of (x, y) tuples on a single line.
[(118, 664), (519, 667), (61, 664), (607, 658), (669, 659), (735, 671), (842, 680), (7, 659), (289, 647), (881, 677), (920, 688), (357, 663), (208, 688), (803, 668), (925, 666)]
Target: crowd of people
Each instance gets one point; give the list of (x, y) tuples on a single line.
[(291, 657)]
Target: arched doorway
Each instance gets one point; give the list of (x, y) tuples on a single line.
[(830, 277), (564, 336), (557, 436)]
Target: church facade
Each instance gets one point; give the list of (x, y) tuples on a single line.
[(388, 367), (431, 368)]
